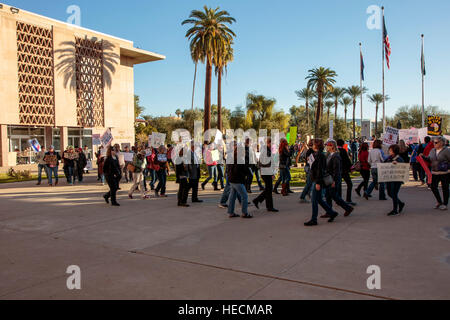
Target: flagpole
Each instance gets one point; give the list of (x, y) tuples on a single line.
[(361, 83), (384, 96), (423, 82)]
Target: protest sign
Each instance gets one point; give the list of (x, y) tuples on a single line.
[(162, 157), (106, 138), (215, 155), (390, 172), (121, 158), (422, 134), (366, 129), (71, 155), (434, 125), (390, 136), (447, 137), (425, 168), (293, 135), (128, 156), (96, 140), (51, 160), (157, 139), (410, 136), (35, 145)]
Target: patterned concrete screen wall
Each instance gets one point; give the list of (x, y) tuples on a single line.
[(36, 75), (89, 82)]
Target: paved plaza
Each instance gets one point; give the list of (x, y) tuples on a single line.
[(154, 250)]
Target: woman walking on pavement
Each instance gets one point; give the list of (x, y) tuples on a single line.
[(268, 176), (113, 174), (393, 188), (365, 168), (318, 169), (376, 156), (138, 175)]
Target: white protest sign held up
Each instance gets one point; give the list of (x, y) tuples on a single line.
[(390, 136), (106, 138), (389, 172), (157, 139), (410, 136), (423, 132)]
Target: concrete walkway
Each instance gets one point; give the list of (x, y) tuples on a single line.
[(154, 250)]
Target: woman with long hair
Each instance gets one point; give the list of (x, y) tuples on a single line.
[(393, 188), (162, 171), (376, 156), (113, 174), (284, 166), (365, 168), (318, 169)]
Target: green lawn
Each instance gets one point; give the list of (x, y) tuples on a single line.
[(4, 178)]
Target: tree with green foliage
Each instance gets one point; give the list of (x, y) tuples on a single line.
[(377, 99), (355, 92), (306, 94)]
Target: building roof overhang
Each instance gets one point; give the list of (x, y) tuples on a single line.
[(140, 56)]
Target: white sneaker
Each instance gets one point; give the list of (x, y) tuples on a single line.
[(438, 206), (443, 208)]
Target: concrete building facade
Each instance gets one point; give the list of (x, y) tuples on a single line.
[(61, 84)]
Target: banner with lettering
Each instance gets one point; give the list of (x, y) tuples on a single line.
[(434, 125), (390, 172), (391, 136)]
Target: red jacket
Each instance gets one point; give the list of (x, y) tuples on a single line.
[(364, 160)]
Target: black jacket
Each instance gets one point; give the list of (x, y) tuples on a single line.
[(111, 168), (318, 167), (334, 166), (237, 173), (346, 162)]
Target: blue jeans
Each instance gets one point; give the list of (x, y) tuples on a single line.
[(40, 168), (285, 175), (52, 171), (307, 189), (69, 171), (221, 175), (212, 171), (393, 188), (226, 194), (316, 199), (242, 191), (162, 177), (333, 194), (374, 182)]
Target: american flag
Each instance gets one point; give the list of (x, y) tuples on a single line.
[(387, 44)]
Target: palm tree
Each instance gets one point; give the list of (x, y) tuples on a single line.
[(337, 94), (329, 104), (306, 94), (354, 92), (210, 31), (259, 108), (320, 79), (224, 55), (197, 56), (346, 101), (377, 98)]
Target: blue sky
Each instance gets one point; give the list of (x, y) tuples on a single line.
[(277, 43)]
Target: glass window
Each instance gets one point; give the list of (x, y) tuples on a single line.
[(74, 132), (87, 132), (57, 143), (37, 131), (14, 145), (17, 131), (56, 132)]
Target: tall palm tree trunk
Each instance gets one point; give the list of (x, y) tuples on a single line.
[(335, 111), (354, 117), (318, 111), (207, 122), (193, 87), (346, 125), (376, 120), (307, 112), (219, 101)]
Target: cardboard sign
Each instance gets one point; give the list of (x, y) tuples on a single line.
[(162, 157), (157, 139), (96, 140), (215, 155), (422, 134), (389, 172), (106, 138), (434, 126), (71, 156), (391, 136), (51, 160), (410, 136), (128, 156)]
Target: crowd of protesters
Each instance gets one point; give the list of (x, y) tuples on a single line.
[(326, 165)]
